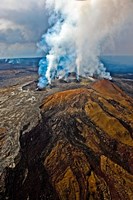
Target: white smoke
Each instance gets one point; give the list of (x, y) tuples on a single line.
[(78, 30)]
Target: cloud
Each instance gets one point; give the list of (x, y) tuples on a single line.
[(122, 43), (23, 4), (18, 50), (21, 22)]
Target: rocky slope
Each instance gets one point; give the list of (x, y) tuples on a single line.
[(74, 144)]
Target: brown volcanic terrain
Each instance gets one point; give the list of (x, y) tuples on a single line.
[(74, 144)]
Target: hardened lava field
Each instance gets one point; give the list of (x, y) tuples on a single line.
[(70, 144)]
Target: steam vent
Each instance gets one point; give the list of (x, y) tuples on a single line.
[(72, 142)]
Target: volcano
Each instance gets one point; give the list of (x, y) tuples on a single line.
[(72, 143)]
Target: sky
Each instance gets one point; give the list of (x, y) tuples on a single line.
[(22, 23)]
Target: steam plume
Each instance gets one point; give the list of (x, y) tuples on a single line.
[(77, 31)]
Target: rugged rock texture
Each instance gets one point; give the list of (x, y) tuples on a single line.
[(77, 147), (125, 82)]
